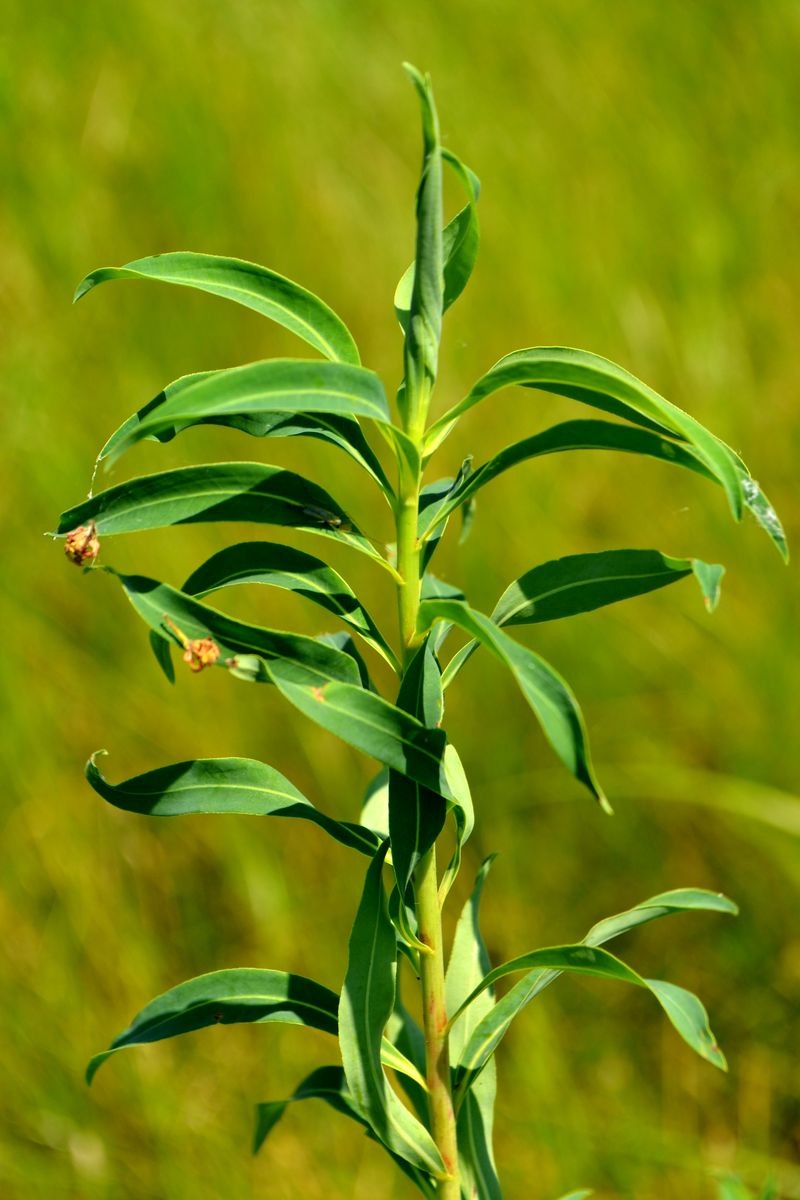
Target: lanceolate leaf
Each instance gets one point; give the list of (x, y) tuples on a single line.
[(460, 239), (582, 582), (424, 323), (255, 287), (227, 998), (344, 432), (468, 964), (367, 1002), (488, 1033), (683, 1008), (285, 567), (605, 435), (374, 726), (596, 381), (416, 814), (251, 492), (547, 693), (223, 785), (306, 659), (257, 392)]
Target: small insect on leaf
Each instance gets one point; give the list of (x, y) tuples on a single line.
[(82, 544), (325, 518), (198, 652)]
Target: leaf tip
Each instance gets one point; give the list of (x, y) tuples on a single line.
[(85, 285), (604, 803)]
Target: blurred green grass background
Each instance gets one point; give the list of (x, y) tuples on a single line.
[(642, 200)]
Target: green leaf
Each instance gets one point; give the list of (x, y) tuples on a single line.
[(255, 287), (468, 964), (602, 384), (433, 498), (307, 660), (223, 785), (257, 392), (416, 814), (367, 1002), (547, 693), (324, 1083), (284, 567), (460, 239), (374, 726), (683, 1008), (344, 432), (251, 492), (424, 323), (604, 435), (463, 814), (375, 805), (226, 998), (487, 1035), (581, 583), (163, 653), (579, 1195)]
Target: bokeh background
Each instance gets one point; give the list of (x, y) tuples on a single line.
[(641, 199)]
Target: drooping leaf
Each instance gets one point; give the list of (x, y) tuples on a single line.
[(285, 567), (424, 322), (162, 650), (683, 1008), (227, 998), (488, 1033), (324, 1083), (602, 384), (167, 610), (468, 964), (251, 492), (223, 785), (254, 286), (367, 1002), (257, 392), (344, 432), (605, 435), (547, 693), (329, 1085), (460, 239), (581, 583), (416, 814)]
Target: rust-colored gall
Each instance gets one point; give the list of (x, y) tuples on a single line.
[(82, 544)]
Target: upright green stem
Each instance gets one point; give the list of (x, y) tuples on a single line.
[(434, 1009), (429, 920)]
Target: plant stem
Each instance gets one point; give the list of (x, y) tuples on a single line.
[(437, 1058), (429, 919)]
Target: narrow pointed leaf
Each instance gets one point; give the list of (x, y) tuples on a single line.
[(344, 432), (602, 384), (257, 392), (581, 583), (250, 492), (433, 498), (489, 1032), (305, 659), (460, 239), (579, 1195), (285, 567), (424, 323), (367, 1002), (325, 1083), (463, 814), (546, 692), (683, 1008), (605, 435), (223, 785), (372, 725), (225, 998), (468, 964), (416, 814), (246, 283)]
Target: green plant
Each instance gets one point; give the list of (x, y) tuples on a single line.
[(440, 1135)]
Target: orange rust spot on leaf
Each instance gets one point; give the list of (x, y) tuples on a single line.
[(317, 693)]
